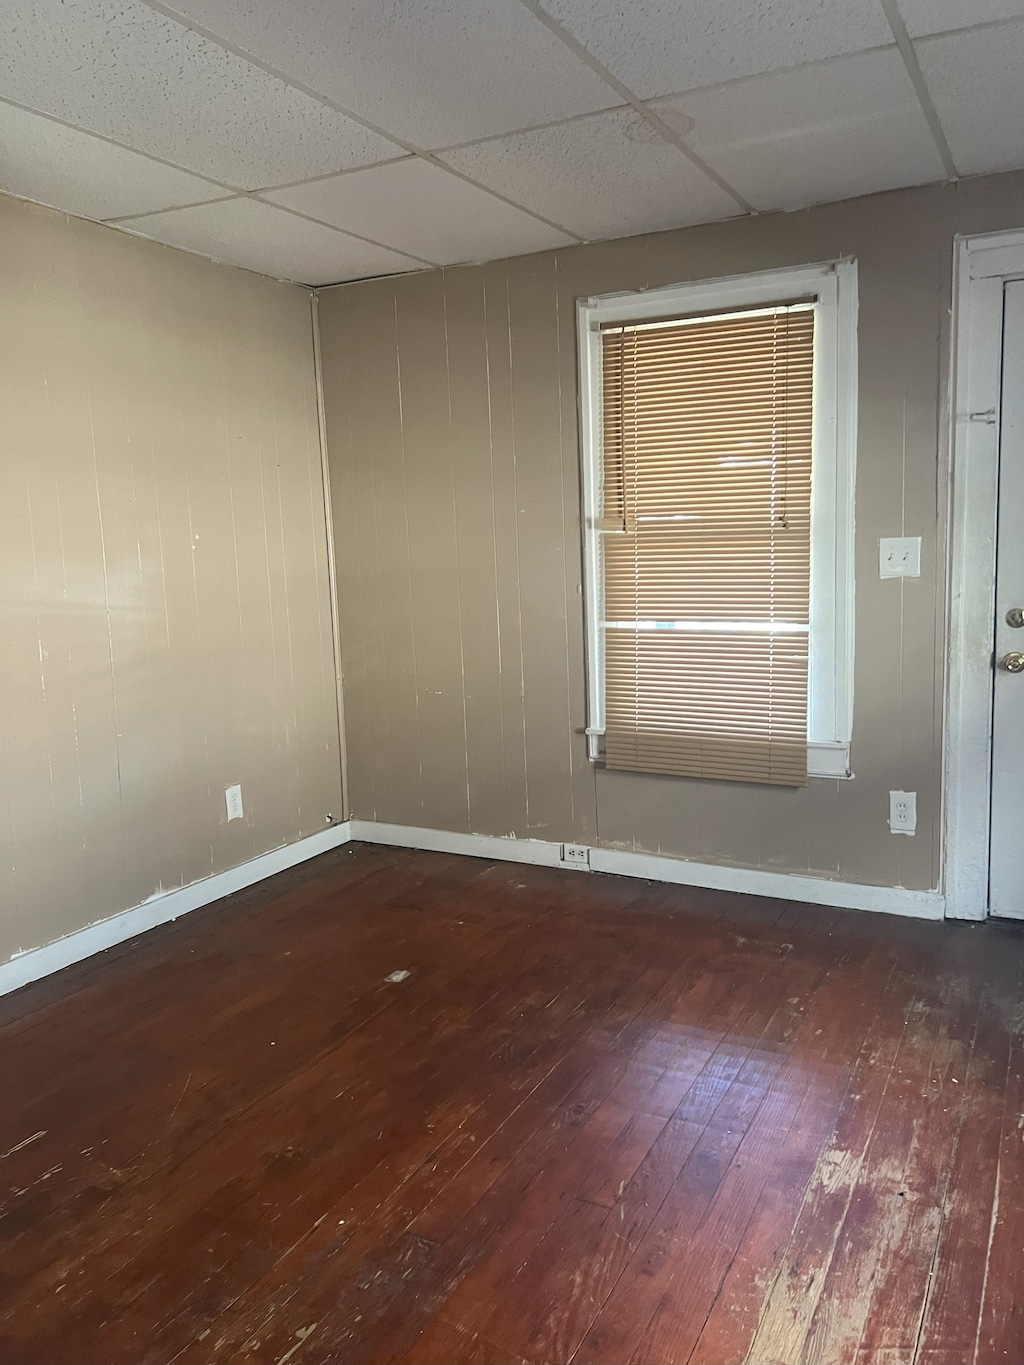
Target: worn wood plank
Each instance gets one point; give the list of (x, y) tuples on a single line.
[(1001, 1327), (952, 1317), (663, 1300), (602, 1120)]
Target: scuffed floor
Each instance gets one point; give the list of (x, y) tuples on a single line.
[(600, 1120)]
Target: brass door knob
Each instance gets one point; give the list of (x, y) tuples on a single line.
[(1013, 662)]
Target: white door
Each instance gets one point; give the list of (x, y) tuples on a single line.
[(1006, 855)]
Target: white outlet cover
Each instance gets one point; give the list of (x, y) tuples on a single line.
[(233, 802), (902, 812), (899, 557)]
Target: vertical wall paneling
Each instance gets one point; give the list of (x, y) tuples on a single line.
[(473, 474), (536, 430), (356, 565), (164, 587), (429, 487), (486, 407), (330, 560)]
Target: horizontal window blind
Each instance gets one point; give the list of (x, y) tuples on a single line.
[(706, 567)]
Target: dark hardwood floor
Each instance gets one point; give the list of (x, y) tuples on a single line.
[(602, 1120)]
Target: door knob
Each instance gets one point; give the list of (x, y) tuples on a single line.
[(1015, 617), (1013, 662)]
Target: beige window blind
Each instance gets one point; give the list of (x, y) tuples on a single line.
[(707, 519)]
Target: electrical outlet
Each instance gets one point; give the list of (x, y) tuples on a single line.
[(576, 855), (899, 557), (902, 812), (233, 802)]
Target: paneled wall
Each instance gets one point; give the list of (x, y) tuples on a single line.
[(164, 595), (454, 451)]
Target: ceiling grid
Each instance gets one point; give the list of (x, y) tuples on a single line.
[(331, 142)]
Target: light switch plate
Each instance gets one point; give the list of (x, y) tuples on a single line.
[(899, 557)]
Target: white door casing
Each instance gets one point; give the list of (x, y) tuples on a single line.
[(983, 267), (1006, 844)]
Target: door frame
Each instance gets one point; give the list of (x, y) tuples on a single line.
[(981, 266)]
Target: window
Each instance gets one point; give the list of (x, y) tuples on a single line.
[(719, 436)]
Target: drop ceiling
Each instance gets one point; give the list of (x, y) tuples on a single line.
[(321, 141)]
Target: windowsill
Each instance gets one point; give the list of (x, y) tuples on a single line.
[(828, 759), (825, 758)]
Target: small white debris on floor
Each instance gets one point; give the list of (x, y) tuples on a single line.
[(397, 976)]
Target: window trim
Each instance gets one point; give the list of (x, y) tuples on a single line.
[(833, 285)]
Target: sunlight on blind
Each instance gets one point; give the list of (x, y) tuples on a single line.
[(707, 513)]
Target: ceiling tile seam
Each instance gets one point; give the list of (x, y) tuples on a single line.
[(917, 80), (184, 22), (170, 208), (328, 175), (968, 30), (344, 232), (496, 194), (669, 95), (123, 146), (362, 279), (774, 71), (282, 208), (433, 160), (623, 91), (528, 128)]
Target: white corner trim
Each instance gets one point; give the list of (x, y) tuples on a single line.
[(161, 909), (893, 900), (332, 572)]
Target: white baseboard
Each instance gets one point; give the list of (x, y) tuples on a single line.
[(893, 900), (37, 962), (536, 851)]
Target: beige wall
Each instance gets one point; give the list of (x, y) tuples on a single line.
[(164, 608), (452, 426)]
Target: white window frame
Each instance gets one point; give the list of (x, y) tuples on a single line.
[(833, 286)]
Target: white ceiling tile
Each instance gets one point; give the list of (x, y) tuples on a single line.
[(938, 16), (118, 68), (248, 233), (81, 174), (608, 175), (434, 72), (828, 131), (976, 81), (660, 47), (416, 207)]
